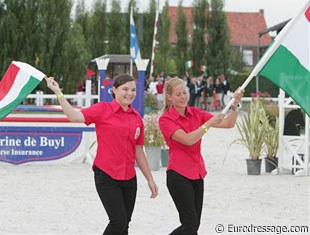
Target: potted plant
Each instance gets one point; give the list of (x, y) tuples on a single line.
[(150, 103), (252, 129), (272, 145), (153, 140)]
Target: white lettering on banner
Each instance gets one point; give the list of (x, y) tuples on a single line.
[(30, 141), (7, 142), (26, 152), (56, 143), (4, 152)]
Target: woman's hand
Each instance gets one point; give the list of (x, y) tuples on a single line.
[(237, 96), (53, 85), (153, 187)]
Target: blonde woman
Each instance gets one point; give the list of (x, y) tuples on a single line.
[(183, 127)]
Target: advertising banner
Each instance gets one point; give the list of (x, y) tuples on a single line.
[(20, 144)]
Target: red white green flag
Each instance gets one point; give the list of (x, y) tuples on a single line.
[(189, 64), (287, 61), (203, 68), (289, 65), (18, 81)]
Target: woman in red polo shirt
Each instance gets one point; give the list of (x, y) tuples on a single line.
[(120, 137), (183, 127)]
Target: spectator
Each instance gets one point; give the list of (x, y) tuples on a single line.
[(160, 90), (209, 87), (225, 88), (152, 87), (219, 94), (198, 87), (192, 92)]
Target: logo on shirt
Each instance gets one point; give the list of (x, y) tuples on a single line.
[(137, 133)]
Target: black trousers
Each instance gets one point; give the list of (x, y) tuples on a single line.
[(192, 99), (188, 198), (118, 198)]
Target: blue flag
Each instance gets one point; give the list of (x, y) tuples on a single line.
[(134, 47)]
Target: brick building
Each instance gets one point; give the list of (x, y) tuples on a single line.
[(244, 27)]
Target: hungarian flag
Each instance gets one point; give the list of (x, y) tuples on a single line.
[(203, 68), (288, 66), (189, 64), (18, 81)]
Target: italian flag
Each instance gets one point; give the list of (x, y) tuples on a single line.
[(203, 68), (189, 64), (288, 65), (18, 81)]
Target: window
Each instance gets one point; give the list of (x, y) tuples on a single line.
[(248, 57)]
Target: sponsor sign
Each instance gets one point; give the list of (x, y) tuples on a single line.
[(27, 144)]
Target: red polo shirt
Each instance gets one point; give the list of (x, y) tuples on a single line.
[(184, 159), (160, 88), (118, 132)]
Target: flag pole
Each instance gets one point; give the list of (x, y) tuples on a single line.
[(131, 59), (154, 42), (131, 66), (261, 63)]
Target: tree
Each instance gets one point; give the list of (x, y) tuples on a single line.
[(97, 41), (198, 43), (164, 61), (76, 56), (117, 32), (218, 47), (19, 29), (30, 27), (33, 36), (145, 33), (55, 27), (82, 17), (236, 60), (181, 46)]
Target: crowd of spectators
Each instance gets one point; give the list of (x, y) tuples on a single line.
[(205, 92)]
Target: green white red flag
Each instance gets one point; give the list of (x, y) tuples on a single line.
[(203, 68), (18, 81), (189, 64), (289, 65), (287, 61)]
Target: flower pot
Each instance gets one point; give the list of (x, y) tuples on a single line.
[(271, 163), (147, 109), (164, 157), (254, 166), (153, 157)]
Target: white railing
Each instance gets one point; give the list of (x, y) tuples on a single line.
[(85, 99), (82, 99)]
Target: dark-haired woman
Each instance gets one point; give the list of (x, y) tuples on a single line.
[(120, 137)]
